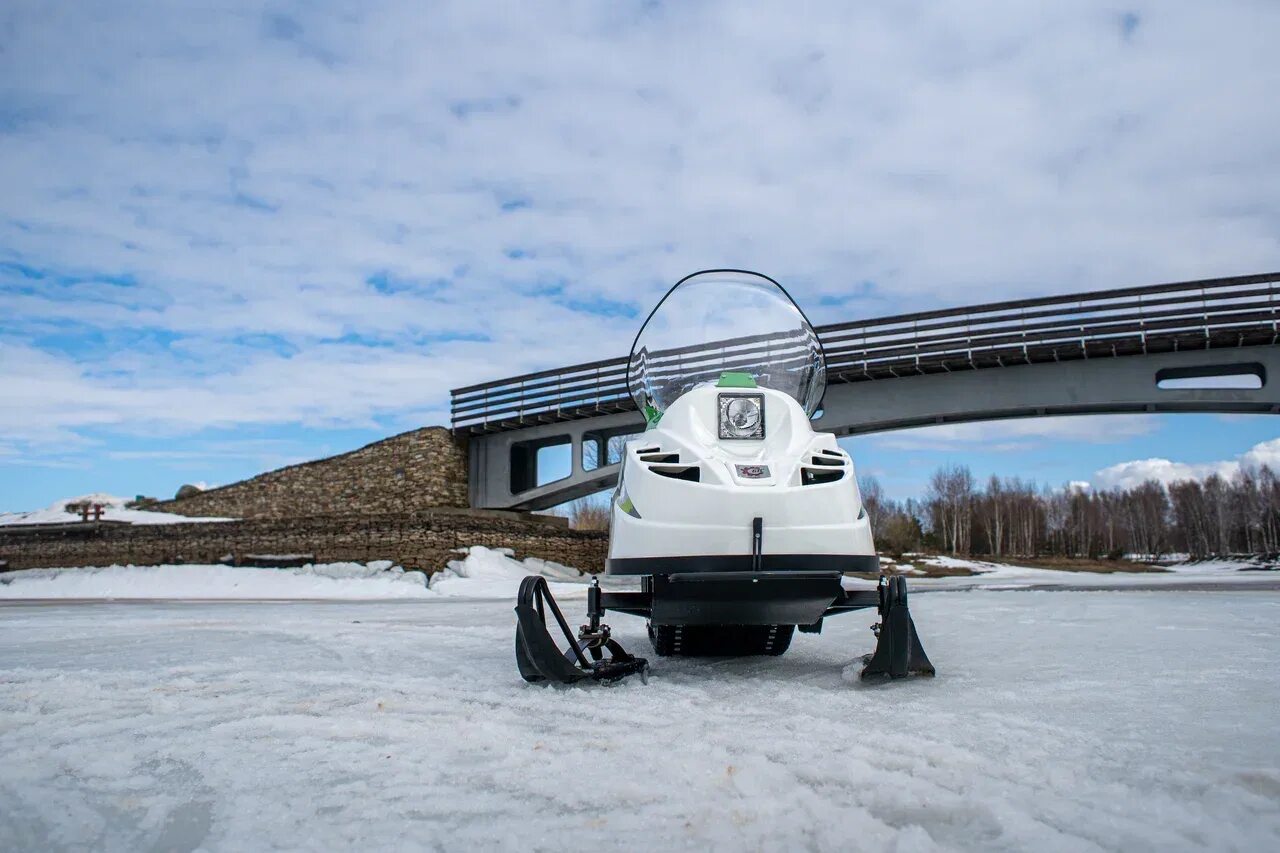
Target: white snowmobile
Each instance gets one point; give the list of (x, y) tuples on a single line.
[(739, 519)]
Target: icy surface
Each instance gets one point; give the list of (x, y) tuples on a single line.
[(477, 573), (1060, 721), (113, 509)]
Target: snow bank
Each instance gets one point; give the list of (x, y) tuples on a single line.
[(495, 573), (988, 575), (479, 573), (376, 580), (113, 509)]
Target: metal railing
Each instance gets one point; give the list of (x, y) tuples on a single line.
[(1223, 312)]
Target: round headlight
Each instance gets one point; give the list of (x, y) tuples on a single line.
[(742, 416)]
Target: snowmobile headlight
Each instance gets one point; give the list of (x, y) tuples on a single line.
[(742, 416)]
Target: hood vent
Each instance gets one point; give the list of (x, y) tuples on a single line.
[(818, 476), (825, 466), (668, 465), (689, 473)]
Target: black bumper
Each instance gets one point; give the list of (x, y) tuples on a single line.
[(740, 598), (701, 564)]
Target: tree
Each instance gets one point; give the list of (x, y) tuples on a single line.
[(949, 503)]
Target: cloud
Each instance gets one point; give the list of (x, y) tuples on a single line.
[(331, 215), (1126, 475), (1021, 434)]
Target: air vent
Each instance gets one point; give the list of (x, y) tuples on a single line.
[(642, 451), (836, 453), (826, 460), (689, 473), (818, 476), (659, 458)]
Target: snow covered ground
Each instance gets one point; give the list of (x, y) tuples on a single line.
[(478, 572), (1060, 721), (1011, 576), (113, 509)]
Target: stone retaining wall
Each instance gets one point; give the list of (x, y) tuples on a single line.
[(412, 471), (423, 540)]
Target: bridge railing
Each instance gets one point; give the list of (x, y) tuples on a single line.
[(1238, 311)]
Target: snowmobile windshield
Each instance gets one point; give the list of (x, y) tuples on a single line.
[(725, 321)]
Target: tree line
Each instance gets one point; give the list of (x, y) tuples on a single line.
[(1009, 516)]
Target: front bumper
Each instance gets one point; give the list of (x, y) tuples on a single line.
[(718, 563), (740, 598)]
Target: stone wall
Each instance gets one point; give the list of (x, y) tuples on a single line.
[(413, 471), (423, 540)]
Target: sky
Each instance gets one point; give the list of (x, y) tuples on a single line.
[(237, 236)]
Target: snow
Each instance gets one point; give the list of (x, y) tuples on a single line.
[(1012, 576), (478, 573), (333, 580), (1132, 720), (495, 573), (113, 509)]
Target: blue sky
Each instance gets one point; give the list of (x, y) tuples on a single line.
[(236, 236)]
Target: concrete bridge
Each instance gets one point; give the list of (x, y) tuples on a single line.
[(1197, 346)]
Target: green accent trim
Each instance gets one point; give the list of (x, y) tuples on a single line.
[(729, 379), (625, 504), (651, 415)]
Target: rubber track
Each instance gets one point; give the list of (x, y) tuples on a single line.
[(720, 640)]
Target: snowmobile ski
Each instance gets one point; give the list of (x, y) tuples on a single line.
[(540, 659), (898, 651)]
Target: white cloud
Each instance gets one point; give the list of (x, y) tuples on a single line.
[(209, 193), (1020, 434), (1129, 474)]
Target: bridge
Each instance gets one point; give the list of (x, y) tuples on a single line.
[(1196, 346)]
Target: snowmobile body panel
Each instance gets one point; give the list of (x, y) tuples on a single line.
[(726, 532), (683, 492)]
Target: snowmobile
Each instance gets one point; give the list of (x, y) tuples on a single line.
[(737, 517)]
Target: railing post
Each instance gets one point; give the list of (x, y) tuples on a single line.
[(1271, 300), (968, 337), (1142, 323), (1204, 314), (915, 341)]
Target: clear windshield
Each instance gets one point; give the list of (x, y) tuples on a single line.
[(726, 321)]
